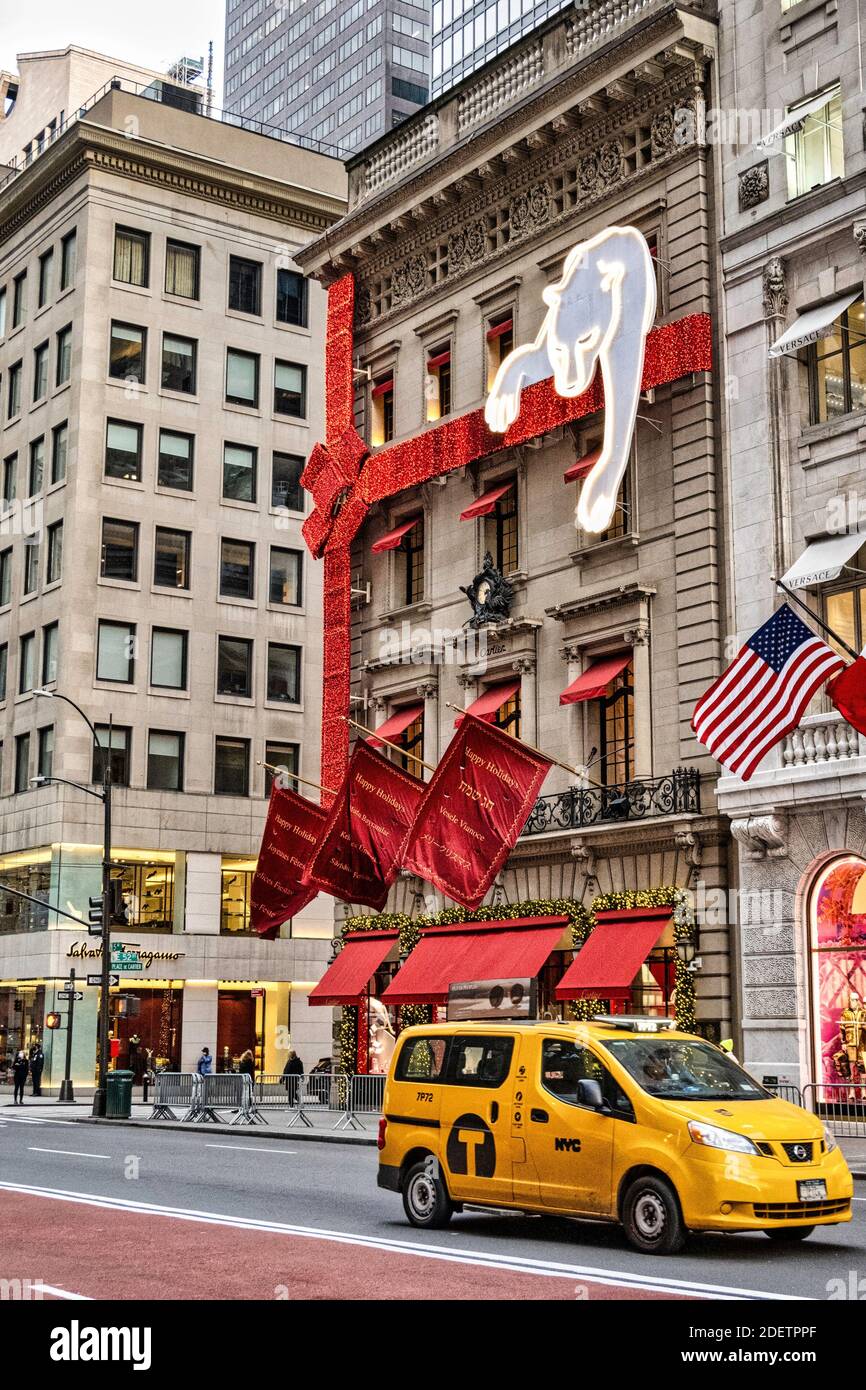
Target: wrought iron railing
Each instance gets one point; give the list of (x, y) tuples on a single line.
[(639, 799)]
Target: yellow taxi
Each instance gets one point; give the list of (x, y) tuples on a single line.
[(621, 1119)]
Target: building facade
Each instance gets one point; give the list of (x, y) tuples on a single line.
[(337, 74), (157, 343), (458, 223), (794, 238), (468, 35)]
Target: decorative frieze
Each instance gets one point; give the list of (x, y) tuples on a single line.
[(754, 186), (419, 140), (500, 87)]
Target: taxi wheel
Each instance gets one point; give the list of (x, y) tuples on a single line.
[(789, 1234), (425, 1198), (651, 1216)]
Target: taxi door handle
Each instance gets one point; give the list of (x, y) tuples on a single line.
[(539, 1116), (494, 1111)]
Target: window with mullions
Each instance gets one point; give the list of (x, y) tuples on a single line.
[(131, 257), (411, 741), (412, 556), (501, 531), (148, 894), (616, 731), (287, 755), (438, 383), (837, 367), (814, 153), (507, 717), (500, 341), (844, 606), (382, 400), (245, 286)]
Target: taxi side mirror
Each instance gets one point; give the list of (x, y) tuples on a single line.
[(589, 1093)]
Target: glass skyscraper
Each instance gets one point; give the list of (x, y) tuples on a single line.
[(467, 35)]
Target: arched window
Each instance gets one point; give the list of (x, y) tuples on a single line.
[(837, 920)]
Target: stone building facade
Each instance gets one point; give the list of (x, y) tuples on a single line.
[(793, 243), (156, 341), (457, 224)]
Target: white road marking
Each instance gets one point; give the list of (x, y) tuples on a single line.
[(251, 1148), (32, 1120), (65, 1293), (482, 1259), (70, 1153)]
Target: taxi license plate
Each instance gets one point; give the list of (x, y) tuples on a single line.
[(814, 1190)]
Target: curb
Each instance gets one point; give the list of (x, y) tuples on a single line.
[(239, 1131)]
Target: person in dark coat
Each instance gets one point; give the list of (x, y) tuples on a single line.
[(37, 1066), (247, 1065), (20, 1068), (293, 1072)]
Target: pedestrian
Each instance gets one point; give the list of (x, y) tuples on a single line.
[(293, 1072), (20, 1068), (204, 1066), (247, 1065), (37, 1066)]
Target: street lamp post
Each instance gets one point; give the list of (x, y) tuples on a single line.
[(105, 797)]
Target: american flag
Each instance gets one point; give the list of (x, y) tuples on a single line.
[(762, 695)]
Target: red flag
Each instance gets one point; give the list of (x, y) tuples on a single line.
[(280, 888), (848, 693), (474, 808), (367, 823)]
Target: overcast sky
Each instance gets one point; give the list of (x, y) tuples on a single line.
[(154, 34)]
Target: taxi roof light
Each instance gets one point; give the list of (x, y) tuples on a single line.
[(635, 1023)]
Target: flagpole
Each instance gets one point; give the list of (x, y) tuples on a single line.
[(815, 619), (284, 772), (575, 771), (395, 747)]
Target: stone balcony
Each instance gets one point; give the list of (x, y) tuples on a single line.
[(823, 759), (643, 798)]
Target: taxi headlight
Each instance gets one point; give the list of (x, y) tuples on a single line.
[(829, 1140), (714, 1138)]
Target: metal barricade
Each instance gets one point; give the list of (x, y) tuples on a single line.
[(363, 1096), (321, 1093), (227, 1091), (176, 1088), (841, 1105), (786, 1090)]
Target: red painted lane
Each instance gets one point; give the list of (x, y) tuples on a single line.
[(122, 1255)]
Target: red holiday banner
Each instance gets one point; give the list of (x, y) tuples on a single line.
[(474, 808), (292, 832), (367, 824)]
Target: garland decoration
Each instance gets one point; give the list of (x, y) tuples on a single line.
[(582, 920)]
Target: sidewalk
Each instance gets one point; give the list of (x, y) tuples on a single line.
[(321, 1129)]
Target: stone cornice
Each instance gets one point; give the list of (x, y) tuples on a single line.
[(625, 594), (87, 147), (656, 835), (660, 31)]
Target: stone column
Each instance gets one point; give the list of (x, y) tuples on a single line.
[(638, 639), (577, 713), (525, 668), (428, 691)]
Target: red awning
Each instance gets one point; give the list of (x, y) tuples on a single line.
[(383, 387), (473, 951), (346, 979), (499, 328), (486, 706), (394, 726), (595, 679), (607, 963), (484, 504), (581, 468), (440, 360), (392, 539)]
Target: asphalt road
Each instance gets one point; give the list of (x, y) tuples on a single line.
[(204, 1215)]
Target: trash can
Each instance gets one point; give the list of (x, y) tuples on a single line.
[(118, 1095)]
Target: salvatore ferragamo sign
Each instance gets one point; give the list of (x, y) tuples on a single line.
[(79, 950)]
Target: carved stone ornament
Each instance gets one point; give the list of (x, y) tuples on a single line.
[(690, 845), (775, 288), (761, 836), (754, 186), (860, 237), (663, 134), (490, 595)]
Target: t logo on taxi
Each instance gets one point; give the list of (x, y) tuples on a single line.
[(469, 1132)]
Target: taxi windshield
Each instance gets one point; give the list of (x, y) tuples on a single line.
[(678, 1070)]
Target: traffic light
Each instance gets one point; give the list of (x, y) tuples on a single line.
[(53, 1020), (94, 917), (119, 909)]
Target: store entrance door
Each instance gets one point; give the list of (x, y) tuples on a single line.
[(236, 1027)]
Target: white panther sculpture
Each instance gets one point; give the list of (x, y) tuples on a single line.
[(601, 311)]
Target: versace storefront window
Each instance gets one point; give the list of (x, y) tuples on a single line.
[(22, 1015), (837, 912)]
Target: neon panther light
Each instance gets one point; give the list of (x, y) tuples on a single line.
[(600, 312)]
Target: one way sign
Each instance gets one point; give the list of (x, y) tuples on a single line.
[(113, 980)]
